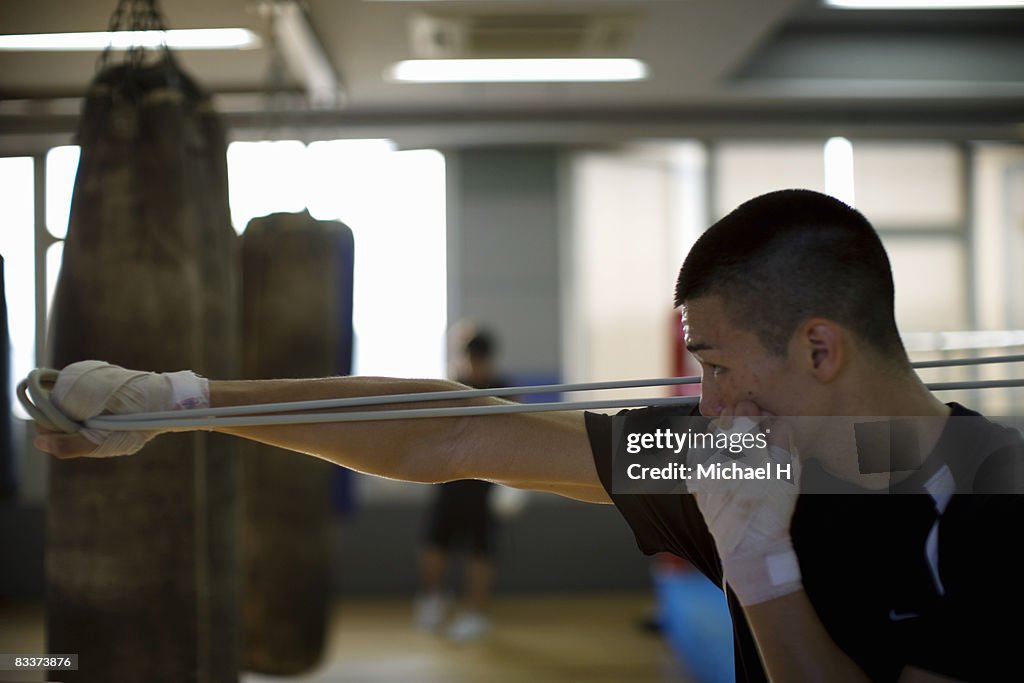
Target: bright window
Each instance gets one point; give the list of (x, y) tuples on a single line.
[(17, 242), (394, 202)]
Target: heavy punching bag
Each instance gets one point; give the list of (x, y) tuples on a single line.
[(142, 572), (8, 480), (297, 322)]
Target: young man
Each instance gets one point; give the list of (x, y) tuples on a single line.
[(460, 513), (788, 305)]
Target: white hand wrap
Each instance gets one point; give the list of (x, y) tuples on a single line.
[(749, 519), (88, 388)]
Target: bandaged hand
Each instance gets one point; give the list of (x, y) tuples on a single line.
[(750, 518), (89, 388)]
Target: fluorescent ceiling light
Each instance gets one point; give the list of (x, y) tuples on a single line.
[(177, 39), (839, 169), (925, 4), (517, 70)]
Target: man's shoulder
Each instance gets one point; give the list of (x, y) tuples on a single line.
[(681, 410), (987, 452), (987, 431)]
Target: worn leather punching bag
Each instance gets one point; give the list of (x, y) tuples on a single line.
[(142, 569), (8, 480), (297, 322)]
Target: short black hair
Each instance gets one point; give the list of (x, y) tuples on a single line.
[(787, 256), (481, 344)]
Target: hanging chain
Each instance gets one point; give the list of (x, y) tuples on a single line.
[(135, 15)]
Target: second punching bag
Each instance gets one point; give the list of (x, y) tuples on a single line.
[(8, 480), (141, 558), (297, 322)]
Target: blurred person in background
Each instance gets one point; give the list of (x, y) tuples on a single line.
[(462, 513)]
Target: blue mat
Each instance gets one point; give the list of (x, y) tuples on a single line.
[(696, 624)]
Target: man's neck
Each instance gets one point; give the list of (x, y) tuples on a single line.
[(893, 392), (880, 395)]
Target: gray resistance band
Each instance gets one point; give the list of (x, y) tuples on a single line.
[(35, 397)]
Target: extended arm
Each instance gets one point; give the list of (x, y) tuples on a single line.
[(541, 451), (548, 452)]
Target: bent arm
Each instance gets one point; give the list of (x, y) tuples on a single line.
[(541, 451), (794, 645)]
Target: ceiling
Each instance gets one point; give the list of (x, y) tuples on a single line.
[(717, 67)]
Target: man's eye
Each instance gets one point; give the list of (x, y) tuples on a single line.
[(716, 370)]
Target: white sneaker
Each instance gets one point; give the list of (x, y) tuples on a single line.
[(429, 611), (468, 626)]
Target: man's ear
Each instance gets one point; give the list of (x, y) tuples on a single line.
[(822, 345)]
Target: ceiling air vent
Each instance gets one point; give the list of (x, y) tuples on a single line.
[(436, 36)]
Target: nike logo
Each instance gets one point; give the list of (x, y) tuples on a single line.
[(902, 616)]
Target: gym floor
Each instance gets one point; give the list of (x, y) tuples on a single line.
[(540, 639)]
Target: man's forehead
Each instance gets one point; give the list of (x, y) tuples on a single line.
[(702, 310), (702, 321)]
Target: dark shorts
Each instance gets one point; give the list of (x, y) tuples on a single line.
[(460, 514)]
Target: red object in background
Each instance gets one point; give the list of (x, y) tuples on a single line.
[(683, 364), (667, 563)]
